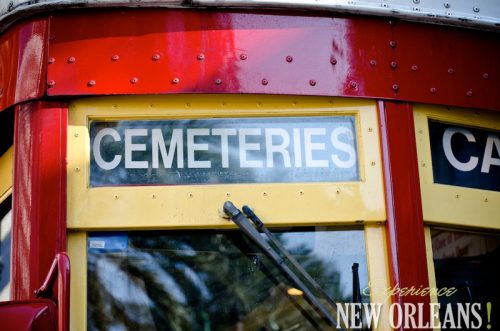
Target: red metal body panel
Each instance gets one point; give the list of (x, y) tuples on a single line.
[(405, 226), (179, 51), (60, 271), (22, 62), (39, 194), (28, 315)]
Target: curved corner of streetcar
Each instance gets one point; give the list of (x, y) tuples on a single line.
[(249, 165)]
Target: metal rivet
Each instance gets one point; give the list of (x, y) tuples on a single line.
[(475, 9), (423, 164), (155, 57), (71, 59), (264, 194), (134, 80), (485, 199), (333, 61), (451, 71), (77, 134), (243, 57), (51, 60), (416, 1), (420, 131), (395, 87), (312, 82), (433, 90), (353, 84), (385, 6), (392, 43), (191, 195), (469, 93), (91, 83), (447, 5), (153, 196), (265, 82), (52, 37), (116, 197), (218, 81), (77, 169), (373, 63), (51, 83), (372, 163), (486, 75), (201, 57), (301, 192), (289, 59), (457, 196), (394, 64), (115, 57), (370, 130), (414, 67), (188, 104), (228, 194), (175, 80), (223, 104), (337, 190)]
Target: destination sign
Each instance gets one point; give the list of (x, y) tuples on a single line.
[(223, 150), (464, 156)]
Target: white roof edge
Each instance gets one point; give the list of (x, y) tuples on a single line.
[(479, 14)]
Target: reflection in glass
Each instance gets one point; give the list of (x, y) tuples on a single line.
[(469, 263), (213, 280)]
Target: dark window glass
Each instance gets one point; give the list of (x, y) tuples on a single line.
[(469, 263), (5, 247), (214, 280)]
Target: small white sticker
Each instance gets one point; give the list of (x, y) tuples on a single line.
[(97, 244)]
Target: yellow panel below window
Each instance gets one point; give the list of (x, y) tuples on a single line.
[(150, 207), (6, 163)]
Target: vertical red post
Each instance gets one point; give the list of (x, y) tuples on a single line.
[(39, 193), (405, 226)]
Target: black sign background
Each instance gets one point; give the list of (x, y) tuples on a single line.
[(445, 173), (216, 174)]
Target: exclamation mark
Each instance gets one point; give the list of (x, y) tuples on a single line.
[(488, 308)]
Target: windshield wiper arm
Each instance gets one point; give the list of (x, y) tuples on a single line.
[(251, 232)]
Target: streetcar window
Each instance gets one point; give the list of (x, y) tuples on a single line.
[(5, 247), (214, 280), (469, 263)]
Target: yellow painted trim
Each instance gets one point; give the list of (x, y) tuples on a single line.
[(77, 251), (6, 164), (378, 271), (153, 207), (446, 204), (430, 269)]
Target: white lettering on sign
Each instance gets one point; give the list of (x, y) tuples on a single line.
[(492, 141), (97, 149), (289, 148)]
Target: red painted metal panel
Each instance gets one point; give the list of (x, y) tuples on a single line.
[(28, 315), (23, 62), (178, 51), (405, 226), (39, 194)]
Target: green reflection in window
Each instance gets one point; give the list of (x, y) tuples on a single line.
[(214, 280)]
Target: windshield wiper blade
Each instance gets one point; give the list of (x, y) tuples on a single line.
[(251, 232), (262, 228)]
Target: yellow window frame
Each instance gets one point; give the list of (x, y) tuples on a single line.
[(121, 208), (6, 164), (446, 204), (149, 207)]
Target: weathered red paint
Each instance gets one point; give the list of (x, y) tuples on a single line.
[(405, 226), (28, 315), (179, 51), (39, 194), (22, 62)]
